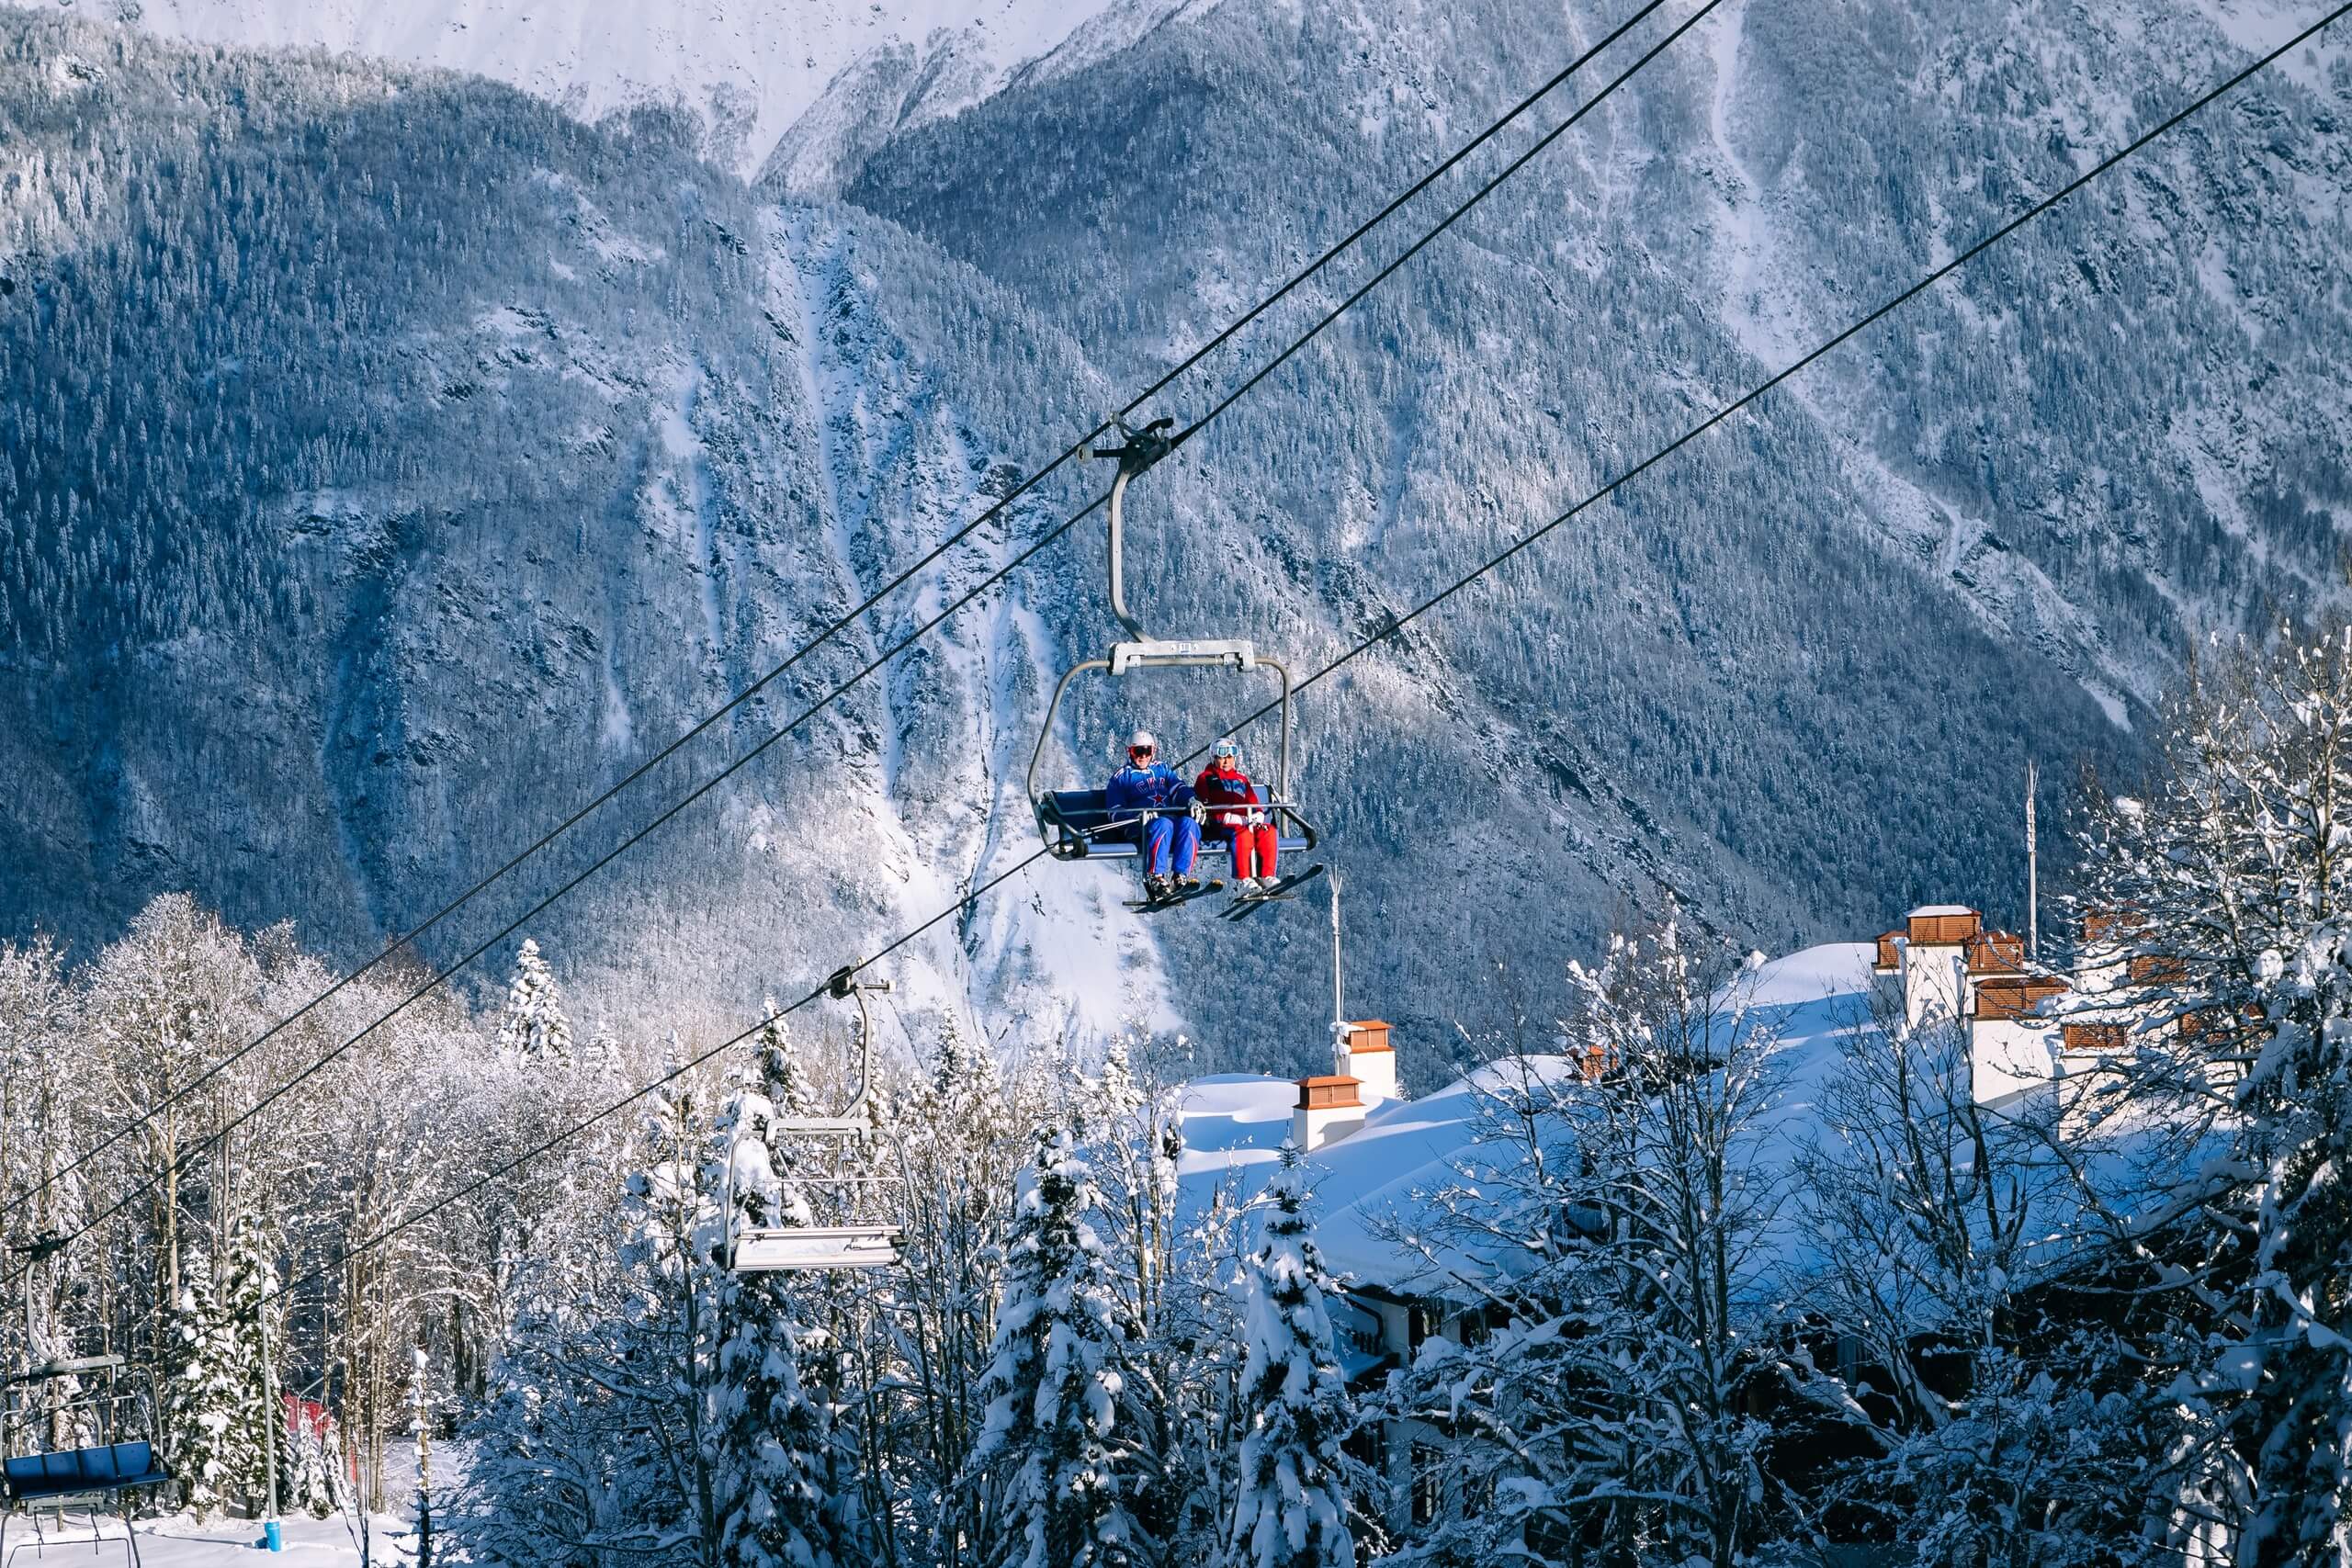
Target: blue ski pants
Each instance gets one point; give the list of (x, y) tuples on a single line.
[(1161, 833)]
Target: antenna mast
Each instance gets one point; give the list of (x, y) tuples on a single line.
[(1338, 1009), (2032, 870)]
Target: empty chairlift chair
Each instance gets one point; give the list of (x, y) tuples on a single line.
[(1077, 824), (76, 1429), (767, 1250)]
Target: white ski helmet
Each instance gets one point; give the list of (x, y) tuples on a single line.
[(1141, 740)]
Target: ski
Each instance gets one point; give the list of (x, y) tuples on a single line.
[(1154, 906), (1246, 904)]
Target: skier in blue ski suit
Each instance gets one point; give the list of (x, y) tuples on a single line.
[(1166, 837)]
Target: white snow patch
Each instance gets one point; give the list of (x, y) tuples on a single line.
[(618, 730), (505, 321)]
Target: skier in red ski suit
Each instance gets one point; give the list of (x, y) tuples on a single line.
[(1227, 793)]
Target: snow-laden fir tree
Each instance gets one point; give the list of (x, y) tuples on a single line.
[(313, 1483), (671, 1282), (246, 1280), (533, 1024), (1175, 1265), (770, 1437), (782, 1081), (959, 1141), (2219, 969), (210, 1415), (1051, 1447), (1293, 1507)]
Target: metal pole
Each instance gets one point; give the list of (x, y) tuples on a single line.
[(1339, 1007), (271, 1416), (2032, 870)]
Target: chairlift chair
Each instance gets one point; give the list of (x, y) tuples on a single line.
[(1077, 824), (767, 1250), (73, 1432)]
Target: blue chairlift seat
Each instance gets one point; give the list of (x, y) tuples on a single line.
[(111, 1467), (1079, 826)]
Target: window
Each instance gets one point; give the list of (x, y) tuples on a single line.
[(1421, 1322), (1429, 1483)]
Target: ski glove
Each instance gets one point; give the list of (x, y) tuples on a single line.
[(1198, 810)]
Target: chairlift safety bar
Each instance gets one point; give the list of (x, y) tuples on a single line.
[(1257, 661)]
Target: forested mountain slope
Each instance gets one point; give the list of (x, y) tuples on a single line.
[(1794, 673), (390, 461)]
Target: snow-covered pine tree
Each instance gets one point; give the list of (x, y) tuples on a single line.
[(242, 1288), (776, 1069), (1050, 1447), (1293, 1507), (208, 1415), (533, 1024), (313, 1484), (1173, 1270), (770, 1437), (670, 1278), (2220, 964), (958, 1143)]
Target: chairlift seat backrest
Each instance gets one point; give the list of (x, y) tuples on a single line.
[(111, 1467), (821, 1126), (1166, 653), (1079, 824), (768, 1249)]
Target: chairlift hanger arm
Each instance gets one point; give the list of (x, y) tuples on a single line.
[(1144, 447)]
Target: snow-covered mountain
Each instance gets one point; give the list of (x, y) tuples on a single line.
[(749, 68), (390, 461)]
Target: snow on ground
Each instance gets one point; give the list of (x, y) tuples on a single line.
[(179, 1541), (756, 63)]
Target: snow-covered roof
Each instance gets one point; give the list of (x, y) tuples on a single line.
[(1373, 1184), (1926, 910)]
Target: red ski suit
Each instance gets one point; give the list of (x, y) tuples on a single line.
[(1254, 848)]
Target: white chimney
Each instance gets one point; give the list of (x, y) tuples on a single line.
[(1935, 963), (1328, 1107), (1364, 1055)]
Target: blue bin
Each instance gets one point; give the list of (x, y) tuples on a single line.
[(270, 1538)]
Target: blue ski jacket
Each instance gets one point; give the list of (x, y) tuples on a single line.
[(1132, 788)]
